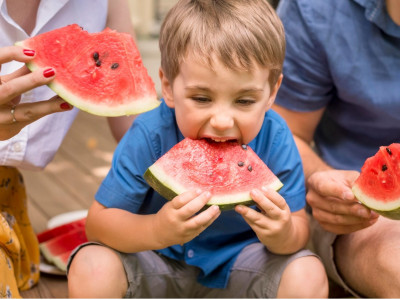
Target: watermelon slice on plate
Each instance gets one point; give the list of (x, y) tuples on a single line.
[(378, 186), (58, 249), (101, 73), (228, 170)]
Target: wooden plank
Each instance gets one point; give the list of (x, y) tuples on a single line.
[(49, 286)]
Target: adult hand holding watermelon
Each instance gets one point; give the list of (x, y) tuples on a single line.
[(333, 203), (13, 115)]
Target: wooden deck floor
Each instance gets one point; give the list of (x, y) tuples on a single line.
[(68, 184)]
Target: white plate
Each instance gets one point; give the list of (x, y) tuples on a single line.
[(54, 222), (66, 218)]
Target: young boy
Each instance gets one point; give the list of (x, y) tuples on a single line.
[(220, 72)]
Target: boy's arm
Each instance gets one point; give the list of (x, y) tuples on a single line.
[(175, 223), (280, 230)]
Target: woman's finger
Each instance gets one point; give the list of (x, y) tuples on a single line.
[(17, 53), (29, 112), (16, 86)]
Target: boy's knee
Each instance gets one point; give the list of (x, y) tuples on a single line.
[(304, 277), (96, 270)]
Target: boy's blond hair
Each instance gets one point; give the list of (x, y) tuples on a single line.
[(239, 33)]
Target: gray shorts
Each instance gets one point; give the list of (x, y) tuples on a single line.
[(322, 243), (255, 274)]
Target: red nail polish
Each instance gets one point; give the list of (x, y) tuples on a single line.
[(48, 73), (65, 105), (28, 52)]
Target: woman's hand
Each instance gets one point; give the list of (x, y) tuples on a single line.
[(13, 115), (333, 203)]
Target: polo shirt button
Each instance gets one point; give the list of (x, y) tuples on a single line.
[(17, 147), (190, 253)]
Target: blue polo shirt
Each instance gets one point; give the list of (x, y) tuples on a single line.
[(214, 251), (343, 55)]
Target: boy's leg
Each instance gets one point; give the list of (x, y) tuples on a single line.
[(96, 272), (257, 273), (304, 277)]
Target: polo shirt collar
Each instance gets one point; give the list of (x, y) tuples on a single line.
[(375, 12), (46, 11)]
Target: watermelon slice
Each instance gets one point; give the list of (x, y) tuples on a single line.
[(228, 170), (58, 249), (59, 230), (378, 186), (101, 73)]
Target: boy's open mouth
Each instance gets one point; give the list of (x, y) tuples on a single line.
[(220, 140)]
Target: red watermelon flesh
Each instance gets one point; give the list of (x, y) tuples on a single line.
[(59, 230), (54, 249), (378, 186), (61, 260), (228, 170), (101, 73)]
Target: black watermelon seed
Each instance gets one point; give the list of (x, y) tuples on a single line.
[(389, 151), (384, 168), (250, 168), (244, 147), (96, 56), (114, 66), (98, 63), (240, 164)]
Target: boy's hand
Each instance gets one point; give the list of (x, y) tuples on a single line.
[(176, 222), (273, 224)]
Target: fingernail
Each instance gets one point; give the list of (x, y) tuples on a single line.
[(28, 52), (65, 105), (348, 195), (207, 194), (49, 72)]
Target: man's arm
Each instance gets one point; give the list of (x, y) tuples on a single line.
[(119, 18), (328, 190)]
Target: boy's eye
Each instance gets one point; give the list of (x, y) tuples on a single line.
[(245, 101), (201, 99)]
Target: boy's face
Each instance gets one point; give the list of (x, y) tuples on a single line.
[(219, 104)]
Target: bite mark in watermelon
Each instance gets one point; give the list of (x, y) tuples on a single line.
[(378, 186), (228, 170), (101, 73)]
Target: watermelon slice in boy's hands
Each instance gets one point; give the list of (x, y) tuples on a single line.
[(228, 170), (378, 186), (101, 73)]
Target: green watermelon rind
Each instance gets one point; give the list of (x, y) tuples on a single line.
[(167, 187), (133, 108), (390, 210)]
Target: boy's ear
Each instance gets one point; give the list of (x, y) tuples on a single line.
[(274, 91), (166, 89)]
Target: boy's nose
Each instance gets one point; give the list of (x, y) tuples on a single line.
[(221, 121)]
